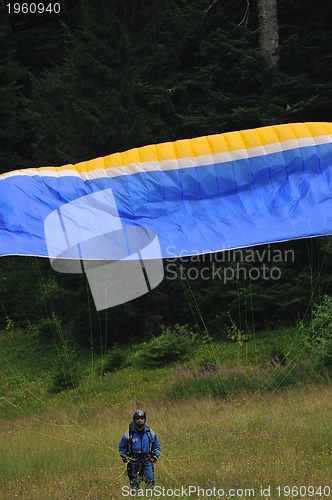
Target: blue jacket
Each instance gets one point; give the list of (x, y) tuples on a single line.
[(140, 444)]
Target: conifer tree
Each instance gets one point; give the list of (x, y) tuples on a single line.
[(136, 72), (13, 134), (105, 97)]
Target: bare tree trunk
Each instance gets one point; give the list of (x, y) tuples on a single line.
[(268, 32)]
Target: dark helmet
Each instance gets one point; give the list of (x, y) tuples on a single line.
[(139, 414)]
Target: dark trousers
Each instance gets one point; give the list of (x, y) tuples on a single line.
[(140, 469)]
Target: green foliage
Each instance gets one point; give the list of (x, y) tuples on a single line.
[(173, 344), (10, 325), (67, 372), (14, 133), (235, 334), (31, 363), (225, 381), (47, 328), (131, 73), (114, 359), (318, 335)]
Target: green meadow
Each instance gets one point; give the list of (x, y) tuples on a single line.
[(227, 418)]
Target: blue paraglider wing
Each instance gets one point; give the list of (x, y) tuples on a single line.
[(199, 195)]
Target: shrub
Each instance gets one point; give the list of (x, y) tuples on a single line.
[(67, 373), (235, 334), (223, 380), (318, 335), (113, 360), (171, 345)]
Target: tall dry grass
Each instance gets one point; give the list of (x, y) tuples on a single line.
[(279, 438)]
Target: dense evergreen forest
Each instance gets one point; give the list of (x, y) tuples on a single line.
[(111, 75)]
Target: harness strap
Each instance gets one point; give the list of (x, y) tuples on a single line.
[(129, 435)]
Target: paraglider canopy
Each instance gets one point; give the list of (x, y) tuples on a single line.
[(192, 196)]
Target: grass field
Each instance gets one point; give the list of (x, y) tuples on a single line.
[(248, 443), (281, 438)]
